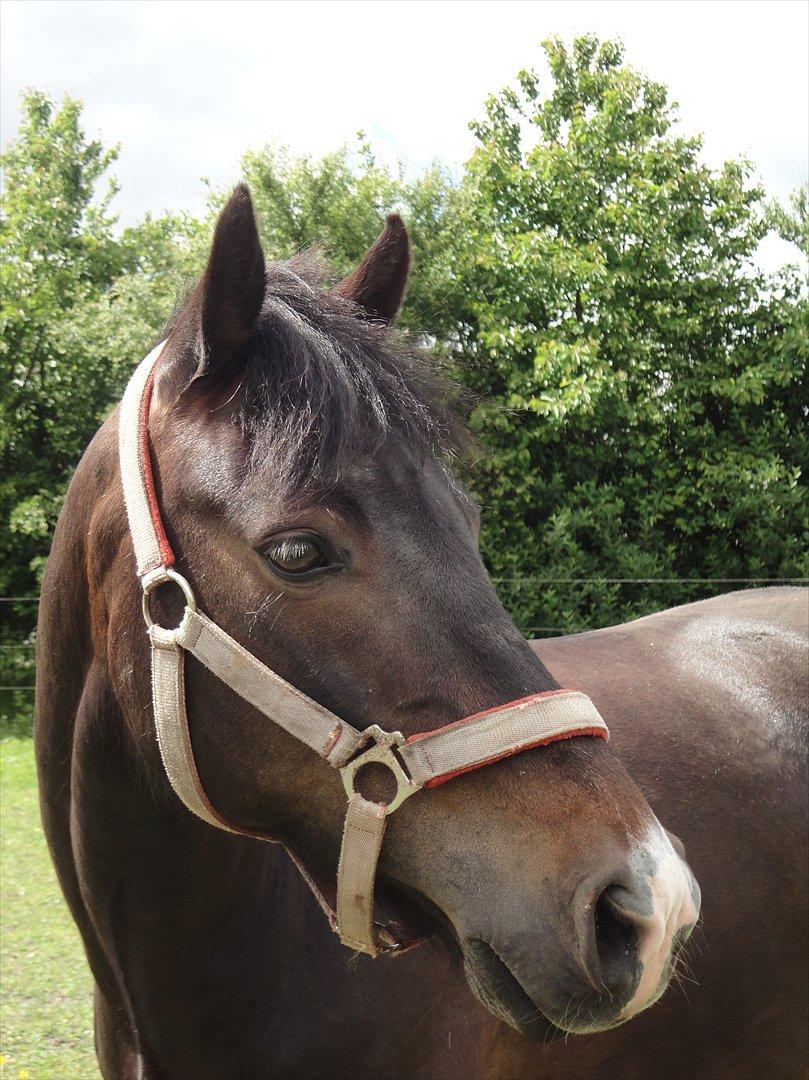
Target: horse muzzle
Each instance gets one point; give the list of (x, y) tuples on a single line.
[(608, 958)]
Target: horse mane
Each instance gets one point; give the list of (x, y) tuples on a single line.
[(324, 385)]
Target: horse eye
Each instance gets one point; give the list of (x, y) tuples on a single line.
[(296, 555)]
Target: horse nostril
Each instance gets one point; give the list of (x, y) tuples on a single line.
[(676, 843), (616, 938)]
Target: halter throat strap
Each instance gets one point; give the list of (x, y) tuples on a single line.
[(421, 761)]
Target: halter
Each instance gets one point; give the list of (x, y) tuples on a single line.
[(420, 761)]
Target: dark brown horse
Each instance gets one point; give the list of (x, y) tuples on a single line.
[(300, 449)]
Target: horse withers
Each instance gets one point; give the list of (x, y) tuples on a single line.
[(300, 453)]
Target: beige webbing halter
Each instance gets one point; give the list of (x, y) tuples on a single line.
[(423, 760)]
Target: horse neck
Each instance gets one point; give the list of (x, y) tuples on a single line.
[(214, 932), (148, 870)]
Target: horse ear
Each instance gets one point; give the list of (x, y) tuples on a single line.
[(379, 282), (223, 310), (232, 287)]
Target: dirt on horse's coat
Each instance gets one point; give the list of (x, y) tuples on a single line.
[(300, 455)]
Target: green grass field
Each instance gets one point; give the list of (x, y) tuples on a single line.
[(46, 1013)]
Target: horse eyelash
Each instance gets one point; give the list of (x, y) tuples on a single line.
[(293, 547)]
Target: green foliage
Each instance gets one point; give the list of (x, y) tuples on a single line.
[(642, 388), (57, 250), (339, 202), (639, 385), (80, 304), (792, 223)]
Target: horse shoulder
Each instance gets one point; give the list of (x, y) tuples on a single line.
[(730, 671), (72, 688)]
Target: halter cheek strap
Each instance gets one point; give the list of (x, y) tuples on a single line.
[(420, 761)]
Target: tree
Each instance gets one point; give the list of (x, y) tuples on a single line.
[(640, 383), (640, 388), (79, 306), (339, 202), (792, 222), (57, 249)]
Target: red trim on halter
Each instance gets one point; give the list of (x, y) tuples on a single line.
[(166, 554), (438, 780), (478, 715)]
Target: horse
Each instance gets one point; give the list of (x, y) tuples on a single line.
[(302, 453)]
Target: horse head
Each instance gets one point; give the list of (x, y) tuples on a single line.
[(302, 450)]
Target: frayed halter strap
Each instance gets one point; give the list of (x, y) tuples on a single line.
[(420, 761)]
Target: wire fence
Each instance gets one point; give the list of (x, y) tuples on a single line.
[(539, 580), (25, 648)]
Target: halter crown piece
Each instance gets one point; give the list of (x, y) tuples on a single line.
[(420, 761)]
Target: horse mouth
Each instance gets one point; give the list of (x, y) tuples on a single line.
[(487, 974), (495, 987), (498, 989)]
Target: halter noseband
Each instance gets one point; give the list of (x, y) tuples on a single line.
[(420, 761)]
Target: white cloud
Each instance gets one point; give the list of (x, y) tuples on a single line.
[(187, 86)]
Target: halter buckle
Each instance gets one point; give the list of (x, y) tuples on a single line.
[(382, 752)]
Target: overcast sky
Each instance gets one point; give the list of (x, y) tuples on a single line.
[(187, 86)]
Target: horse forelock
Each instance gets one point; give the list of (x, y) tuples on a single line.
[(320, 384)]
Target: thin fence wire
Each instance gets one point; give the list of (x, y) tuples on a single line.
[(651, 581), (538, 580), (529, 580)]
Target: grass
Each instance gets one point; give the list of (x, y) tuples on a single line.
[(46, 1011)]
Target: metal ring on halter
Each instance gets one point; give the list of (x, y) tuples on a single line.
[(149, 587), (382, 753)]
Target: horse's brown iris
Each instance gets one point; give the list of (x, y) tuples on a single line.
[(296, 555)]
